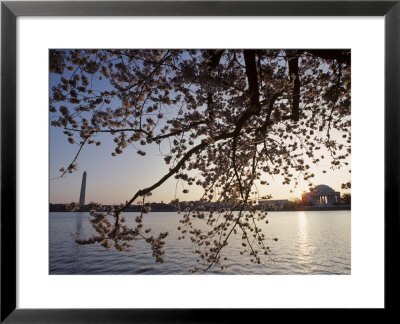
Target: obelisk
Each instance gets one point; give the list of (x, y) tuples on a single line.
[(83, 189)]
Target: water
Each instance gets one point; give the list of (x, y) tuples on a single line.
[(311, 242)]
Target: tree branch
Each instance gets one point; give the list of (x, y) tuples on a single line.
[(294, 77), (175, 169)]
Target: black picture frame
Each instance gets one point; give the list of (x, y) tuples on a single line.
[(10, 10)]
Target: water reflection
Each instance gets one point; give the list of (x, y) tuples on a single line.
[(78, 222), (78, 231), (305, 249), (309, 243)]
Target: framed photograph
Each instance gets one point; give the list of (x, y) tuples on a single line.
[(186, 161)]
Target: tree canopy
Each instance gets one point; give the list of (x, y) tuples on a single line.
[(230, 117)]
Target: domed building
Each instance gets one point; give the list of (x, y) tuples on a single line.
[(322, 195)]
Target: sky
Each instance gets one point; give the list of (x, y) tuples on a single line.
[(114, 180)]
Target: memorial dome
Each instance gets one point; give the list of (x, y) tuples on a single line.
[(323, 189)]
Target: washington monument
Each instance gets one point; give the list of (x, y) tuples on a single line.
[(83, 189)]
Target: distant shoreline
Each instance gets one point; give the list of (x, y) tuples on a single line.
[(54, 208)]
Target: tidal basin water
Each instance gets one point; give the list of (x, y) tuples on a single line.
[(311, 242)]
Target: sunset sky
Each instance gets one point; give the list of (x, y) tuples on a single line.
[(112, 180)]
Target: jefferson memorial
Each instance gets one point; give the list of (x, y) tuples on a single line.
[(322, 195)]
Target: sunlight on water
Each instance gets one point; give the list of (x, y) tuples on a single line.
[(309, 243), (305, 249)]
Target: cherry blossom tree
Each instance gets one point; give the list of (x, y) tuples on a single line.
[(231, 117)]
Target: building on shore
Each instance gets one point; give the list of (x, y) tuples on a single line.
[(321, 196)]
